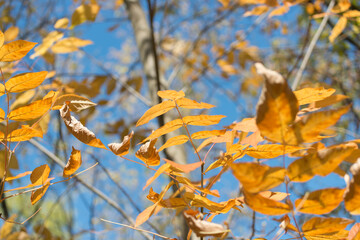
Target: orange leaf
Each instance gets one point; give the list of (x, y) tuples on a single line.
[(23, 134), (351, 14), (321, 225), (15, 50), (257, 11), (148, 153), (186, 168), (11, 33), (83, 13), (277, 106), (207, 134), (328, 101), (222, 161), (309, 95), (2, 115), (158, 172), (354, 233), (2, 89), (270, 150), (264, 205), (70, 44), (32, 111), (39, 193), (276, 196), (18, 176), (121, 149), (177, 140), (338, 28), (191, 104), (76, 103), (279, 11), (78, 130), (25, 81), (256, 178), (352, 194), (203, 120), (171, 94), (246, 125), (186, 181), (322, 201), (2, 38), (62, 23), (156, 111), (322, 162), (39, 175), (73, 163), (166, 128)]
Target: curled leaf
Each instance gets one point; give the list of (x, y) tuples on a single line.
[(76, 103), (148, 153), (121, 149), (73, 163), (78, 130)]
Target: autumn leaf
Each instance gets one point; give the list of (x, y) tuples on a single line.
[(246, 125), (322, 162), (11, 33), (156, 111), (309, 95), (2, 115), (328, 101), (73, 163), (39, 175), (2, 89), (47, 42), (25, 81), (70, 44), (186, 168), (354, 233), (75, 102), (121, 149), (352, 193), (191, 104), (270, 150), (2, 38), (15, 50), (255, 177), (148, 153), (277, 106), (320, 225), (207, 134), (78, 130), (85, 12), (171, 94), (20, 175), (322, 201), (166, 128), (32, 111), (158, 172), (279, 11), (338, 29), (177, 140), (62, 23), (39, 193), (264, 205), (257, 11), (203, 120), (23, 134), (351, 14)]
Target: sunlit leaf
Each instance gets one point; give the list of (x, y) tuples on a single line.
[(352, 194), (2, 38), (186, 168), (309, 95), (32, 111), (2, 89), (276, 196), (246, 125), (277, 106), (15, 50), (171, 94), (23, 134), (78, 130), (11, 33), (351, 14), (264, 205), (354, 233), (203, 120), (338, 28), (222, 161), (121, 149), (255, 177), (39, 193), (156, 111), (279, 11), (25, 81), (148, 153), (2, 114), (73, 163), (329, 101), (177, 140), (165, 203), (322, 162), (20, 175), (62, 23), (85, 12), (321, 225), (166, 128), (270, 150), (191, 104), (70, 44), (257, 11), (76, 103), (322, 201), (47, 42), (186, 181), (207, 134), (161, 169), (39, 175)]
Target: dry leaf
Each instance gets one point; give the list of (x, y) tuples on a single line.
[(354, 233), (39, 175), (76, 103), (78, 130), (121, 149), (73, 163), (148, 153)]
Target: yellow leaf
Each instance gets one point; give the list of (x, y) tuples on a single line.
[(2, 115), (184, 168), (186, 181), (207, 134), (85, 12), (226, 67), (264, 205), (257, 11), (156, 111), (256, 178), (322, 201), (166, 128), (148, 153), (25, 81), (15, 50), (121, 149), (2, 38), (270, 150), (321, 225), (78, 130), (191, 104), (23, 134), (328, 101), (11, 33), (352, 194), (39, 193), (276, 196), (171, 94), (222, 161), (47, 42), (73, 163), (338, 29), (199, 201), (62, 23), (203, 120), (70, 44), (6, 228), (2, 89), (342, 5), (161, 169), (39, 175), (309, 95), (76, 103), (177, 140), (354, 233), (246, 125), (18, 176), (165, 203), (322, 162), (279, 11), (277, 106), (32, 111), (351, 14)]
